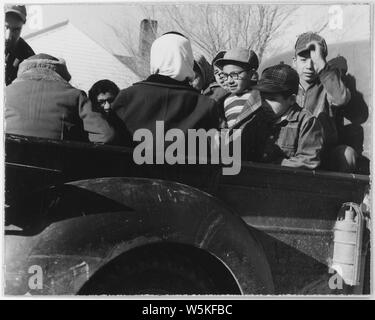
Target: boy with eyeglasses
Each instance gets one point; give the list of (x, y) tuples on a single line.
[(239, 71), (217, 89)]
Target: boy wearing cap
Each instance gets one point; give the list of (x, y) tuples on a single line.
[(285, 133), (322, 92), (16, 49), (239, 67), (217, 89)]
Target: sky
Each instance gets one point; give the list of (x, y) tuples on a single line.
[(346, 22)]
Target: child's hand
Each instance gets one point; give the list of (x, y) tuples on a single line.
[(317, 56)]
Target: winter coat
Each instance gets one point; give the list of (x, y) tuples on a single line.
[(41, 103), (295, 140), (323, 98), (160, 98)]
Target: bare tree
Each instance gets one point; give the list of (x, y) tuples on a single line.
[(216, 27), (136, 58), (212, 27)]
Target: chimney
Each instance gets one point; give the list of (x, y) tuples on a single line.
[(147, 36)]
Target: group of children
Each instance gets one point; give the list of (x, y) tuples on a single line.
[(288, 115)]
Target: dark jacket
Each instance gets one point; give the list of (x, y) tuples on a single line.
[(295, 141), (217, 93), (323, 98), (206, 71), (13, 59), (254, 122), (41, 103), (160, 98)]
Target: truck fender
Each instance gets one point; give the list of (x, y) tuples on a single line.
[(73, 230)]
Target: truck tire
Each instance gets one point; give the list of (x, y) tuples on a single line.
[(161, 269)]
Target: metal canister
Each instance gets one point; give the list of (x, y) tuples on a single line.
[(347, 250)]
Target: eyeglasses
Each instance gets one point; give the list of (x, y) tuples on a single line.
[(233, 75), (104, 101)]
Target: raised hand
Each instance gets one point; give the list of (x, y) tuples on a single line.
[(317, 55)]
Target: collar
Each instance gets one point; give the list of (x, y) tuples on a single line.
[(283, 118), (315, 83), (44, 66), (40, 74), (291, 115), (252, 105), (164, 81)]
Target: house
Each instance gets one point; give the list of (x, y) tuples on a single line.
[(86, 59)]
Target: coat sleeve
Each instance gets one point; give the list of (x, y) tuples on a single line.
[(337, 93), (310, 144), (94, 123), (215, 115), (255, 132)]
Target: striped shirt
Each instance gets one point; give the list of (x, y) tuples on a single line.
[(234, 105)]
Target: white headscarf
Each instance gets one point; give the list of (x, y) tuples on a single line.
[(171, 55)]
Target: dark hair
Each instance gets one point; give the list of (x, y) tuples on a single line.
[(196, 67), (103, 86), (15, 16), (284, 94), (174, 32), (287, 94)]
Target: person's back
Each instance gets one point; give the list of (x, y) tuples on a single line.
[(167, 95), (161, 98), (42, 103)]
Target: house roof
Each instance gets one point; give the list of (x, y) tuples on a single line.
[(86, 57), (130, 62), (50, 28)]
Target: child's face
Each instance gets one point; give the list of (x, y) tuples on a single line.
[(277, 102), (305, 67), (105, 100), (238, 79), (219, 79)]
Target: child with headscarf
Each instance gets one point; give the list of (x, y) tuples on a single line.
[(166, 95)]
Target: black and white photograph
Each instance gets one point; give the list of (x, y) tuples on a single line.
[(187, 149)]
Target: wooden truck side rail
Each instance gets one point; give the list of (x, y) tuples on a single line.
[(293, 211)]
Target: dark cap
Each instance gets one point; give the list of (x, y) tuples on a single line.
[(244, 57), (218, 56), (176, 33), (279, 78), (305, 38), (17, 9)]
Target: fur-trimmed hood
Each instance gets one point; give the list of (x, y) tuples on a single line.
[(43, 66)]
